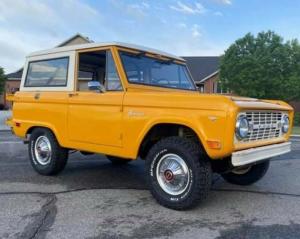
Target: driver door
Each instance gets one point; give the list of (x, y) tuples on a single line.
[(95, 115)]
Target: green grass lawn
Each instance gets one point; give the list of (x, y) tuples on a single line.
[(296, 130)]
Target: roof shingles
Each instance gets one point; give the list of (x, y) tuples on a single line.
[(15, 75), (202, 66)]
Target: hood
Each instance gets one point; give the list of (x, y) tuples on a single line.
[(160, 97), (252, 103), (177, 99)]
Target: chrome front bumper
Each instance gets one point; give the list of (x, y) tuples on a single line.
[(254, 155)]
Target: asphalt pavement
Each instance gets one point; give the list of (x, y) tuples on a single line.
[(92, 198)]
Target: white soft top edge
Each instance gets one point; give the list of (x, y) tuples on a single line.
[(94, 45)]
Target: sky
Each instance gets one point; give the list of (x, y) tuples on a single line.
[(181, 27)]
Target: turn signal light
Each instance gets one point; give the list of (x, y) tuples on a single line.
[(214, 144)]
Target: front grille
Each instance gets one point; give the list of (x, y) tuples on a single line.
[(264, 125)]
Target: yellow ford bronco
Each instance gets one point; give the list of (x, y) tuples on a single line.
[(129, 102)]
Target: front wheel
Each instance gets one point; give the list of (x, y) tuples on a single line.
[(247, 175), (47, 157), (178, 174)]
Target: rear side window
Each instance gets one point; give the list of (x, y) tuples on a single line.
[(47, 73)]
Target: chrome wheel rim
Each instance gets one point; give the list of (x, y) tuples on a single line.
[(241, 171), (42, 150), (172, 174)]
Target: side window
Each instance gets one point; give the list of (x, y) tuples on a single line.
[(97, 70), (47, 73)]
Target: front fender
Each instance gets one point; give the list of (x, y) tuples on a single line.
[(208, 126)]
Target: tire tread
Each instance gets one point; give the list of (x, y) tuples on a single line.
[(202, 165), (60, 155)]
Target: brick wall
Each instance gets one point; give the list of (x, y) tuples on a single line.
[(12, 85), (209, 84)]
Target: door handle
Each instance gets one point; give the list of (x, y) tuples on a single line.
[(73, 94)]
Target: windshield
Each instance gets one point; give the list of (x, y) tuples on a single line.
[(141, 69)]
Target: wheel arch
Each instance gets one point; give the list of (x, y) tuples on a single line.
[(161, 129), (52, 129)]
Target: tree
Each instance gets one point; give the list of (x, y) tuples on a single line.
[(2, 80), (262, 67)]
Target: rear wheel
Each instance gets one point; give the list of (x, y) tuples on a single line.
[(117, 160), (178, 174), (47, 157), (247, 175)]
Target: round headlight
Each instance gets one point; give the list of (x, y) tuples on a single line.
[(242, 127), (285, 124)]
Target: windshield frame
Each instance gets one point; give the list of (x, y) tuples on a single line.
[(161, 58)]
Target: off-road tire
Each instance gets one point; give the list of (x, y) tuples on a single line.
[(255, 173), (117, 160), (58, 157), (199, 168)]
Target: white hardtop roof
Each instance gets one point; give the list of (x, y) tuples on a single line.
[(95, 45)]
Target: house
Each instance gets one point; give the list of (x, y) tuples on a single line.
[(205, 72)]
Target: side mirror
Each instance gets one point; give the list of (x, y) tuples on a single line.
[(95, 86)]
